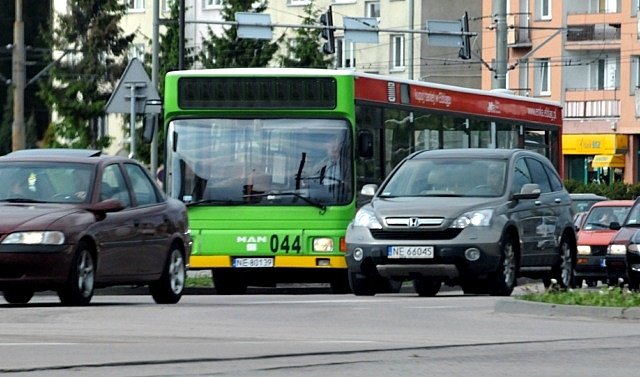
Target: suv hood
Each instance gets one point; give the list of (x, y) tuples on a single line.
[(436, 206)]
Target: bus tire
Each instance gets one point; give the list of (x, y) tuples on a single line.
[(228, 282)]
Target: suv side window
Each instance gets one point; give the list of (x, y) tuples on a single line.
[(539, 175), (521, 176), (556, 183)]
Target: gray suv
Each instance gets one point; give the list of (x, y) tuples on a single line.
[(478, 218)]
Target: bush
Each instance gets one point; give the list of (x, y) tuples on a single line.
[(614, 191)]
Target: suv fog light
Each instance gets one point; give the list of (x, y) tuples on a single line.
[(472, 254), (358, 254)]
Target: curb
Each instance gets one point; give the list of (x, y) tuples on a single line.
[(518, 306)]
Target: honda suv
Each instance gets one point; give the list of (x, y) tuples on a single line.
[(478, 218)]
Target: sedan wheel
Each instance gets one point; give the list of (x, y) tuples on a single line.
[(17, 296), (168, 290), (78, 290)]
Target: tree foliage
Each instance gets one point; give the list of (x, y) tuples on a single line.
[(229, 51), (80, 84), (304, 50)]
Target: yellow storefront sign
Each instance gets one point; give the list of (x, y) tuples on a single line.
[(594, 144)]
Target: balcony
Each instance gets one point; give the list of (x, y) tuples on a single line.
[(593, 36), (519, 33), (591, 103)]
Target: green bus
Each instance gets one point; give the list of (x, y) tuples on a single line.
[(270, 160)]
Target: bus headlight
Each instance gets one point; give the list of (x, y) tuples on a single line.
[(323, 244)]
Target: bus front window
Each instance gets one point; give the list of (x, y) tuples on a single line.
[(260, 161)]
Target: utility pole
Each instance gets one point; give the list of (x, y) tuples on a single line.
[(500, 67), (154, 81), (181, 35), (18, 78)]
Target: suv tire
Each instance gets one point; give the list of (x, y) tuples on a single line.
[(502, 282)]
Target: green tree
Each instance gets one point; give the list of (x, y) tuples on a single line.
[(229, 51), (304, 50), (79, 86)]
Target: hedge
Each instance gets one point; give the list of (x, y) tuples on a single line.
[(616, 190)]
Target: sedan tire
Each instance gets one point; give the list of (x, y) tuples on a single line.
[(426, 287), (78, 290), (17, 296), (169, 289)]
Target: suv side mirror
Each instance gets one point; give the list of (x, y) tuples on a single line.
[(369, 189), (528, 191)]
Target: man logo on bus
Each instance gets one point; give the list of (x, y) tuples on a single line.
[(251, 239)]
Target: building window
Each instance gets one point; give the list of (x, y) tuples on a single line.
[(397, 52), (372, 9), (166, 5), (136, 51), (543, 79), (635, 73), (607, 73), (345, 54), (211, 4), (136, 5), (544, 9), (635, 7)]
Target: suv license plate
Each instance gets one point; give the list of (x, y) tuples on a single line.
[(409, 252), (253, 262)]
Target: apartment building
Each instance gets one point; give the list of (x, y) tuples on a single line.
[(399, 52), (585, 55)]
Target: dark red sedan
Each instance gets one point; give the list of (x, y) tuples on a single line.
[(76, 220)]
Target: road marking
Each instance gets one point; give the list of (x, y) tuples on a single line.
[(13, 344)]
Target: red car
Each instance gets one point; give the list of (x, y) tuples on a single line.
[(76, 220), (594, 237)]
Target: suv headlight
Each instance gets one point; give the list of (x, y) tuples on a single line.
[(35, 238), (366, 218), (473, 218)]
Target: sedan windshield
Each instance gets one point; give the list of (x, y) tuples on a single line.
[(451, 177), (45, 182)]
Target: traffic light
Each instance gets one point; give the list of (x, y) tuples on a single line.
[(326, 19), (465, 50)]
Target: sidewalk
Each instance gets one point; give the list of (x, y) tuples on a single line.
[(513, 305)]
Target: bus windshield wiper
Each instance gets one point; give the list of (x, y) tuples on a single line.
[(216, 201), (314, 203)]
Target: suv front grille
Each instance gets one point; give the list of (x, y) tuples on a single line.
[(446, 234)]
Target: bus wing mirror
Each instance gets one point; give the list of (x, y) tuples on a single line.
[(365, 144), (149, 127)]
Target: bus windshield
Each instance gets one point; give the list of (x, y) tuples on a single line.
[(272, 161)]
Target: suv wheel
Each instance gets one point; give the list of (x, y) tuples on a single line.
[(562, 272), (362, 285), (426, 287), (502, 282)]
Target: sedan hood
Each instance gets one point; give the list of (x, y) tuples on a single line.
[(595, 237), (447, 207), (31, 216)]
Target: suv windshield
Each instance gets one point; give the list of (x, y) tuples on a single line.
[(450, 177)]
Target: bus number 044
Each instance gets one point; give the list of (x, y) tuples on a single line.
[(285, 245)]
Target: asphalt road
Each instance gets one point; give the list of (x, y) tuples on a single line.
[(309, 334)]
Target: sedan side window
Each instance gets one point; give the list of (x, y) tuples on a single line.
[(143, 188), (113, 186)]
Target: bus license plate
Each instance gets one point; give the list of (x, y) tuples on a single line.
[(409, 252), (253, 262)]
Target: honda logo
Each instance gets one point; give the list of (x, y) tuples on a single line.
[(414, 222)]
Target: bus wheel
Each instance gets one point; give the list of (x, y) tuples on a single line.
[(228, 282), (362, 285)]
